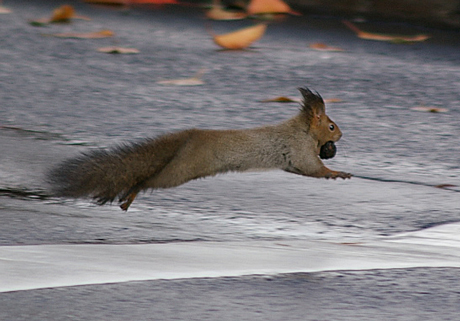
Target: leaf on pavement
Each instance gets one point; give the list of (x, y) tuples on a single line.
[(430, 109), (87, 35), (61, 14), (217, 12), (445, 186), (242, 38), (385, 37), (4, 10), (118, 50), (256, 7), (193, 81), (323, 47)]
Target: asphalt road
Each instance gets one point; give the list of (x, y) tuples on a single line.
[(61, 96)]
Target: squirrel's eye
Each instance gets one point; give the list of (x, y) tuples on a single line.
[(331, 127)]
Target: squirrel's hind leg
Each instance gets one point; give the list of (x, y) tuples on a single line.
[(129, 197), (128, 200)]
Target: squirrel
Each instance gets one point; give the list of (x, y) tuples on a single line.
[(173, 159)]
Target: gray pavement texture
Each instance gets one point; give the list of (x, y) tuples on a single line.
[(410, 294), (61, 96)]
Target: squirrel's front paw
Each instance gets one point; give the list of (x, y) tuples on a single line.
[(335, 174)]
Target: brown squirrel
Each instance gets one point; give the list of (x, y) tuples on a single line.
[(294, 145)]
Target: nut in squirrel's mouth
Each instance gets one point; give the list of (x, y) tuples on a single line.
[(328, 150)]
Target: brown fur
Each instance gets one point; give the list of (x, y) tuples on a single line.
[(174, 159)]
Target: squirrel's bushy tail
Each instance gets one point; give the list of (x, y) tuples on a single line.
[(107, 174)]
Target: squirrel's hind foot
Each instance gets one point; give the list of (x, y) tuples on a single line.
[(127, 201)]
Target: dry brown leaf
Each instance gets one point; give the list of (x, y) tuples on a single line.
[(385, 37), (193, 81), (323, 47), (430, 109), (445, 186), (242, 38), (118, 50), (4, 10), (87, 35), (268, 6), (281, 99)]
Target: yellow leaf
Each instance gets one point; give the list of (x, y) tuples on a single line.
[(323, 47), (87, 35), (384, 37), (268, 6), (193, 81), (118, 50), (62, 14), (242, 38)]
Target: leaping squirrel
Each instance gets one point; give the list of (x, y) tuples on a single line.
[(294, 146)]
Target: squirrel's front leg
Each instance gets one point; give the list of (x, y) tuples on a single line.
[(316, 169), (328, 173)]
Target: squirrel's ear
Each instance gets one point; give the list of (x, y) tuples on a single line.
[(313, 103)]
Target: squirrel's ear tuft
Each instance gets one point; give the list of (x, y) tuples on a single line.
[(313, 103)]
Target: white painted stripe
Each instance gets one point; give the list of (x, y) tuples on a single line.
[(44, 266)]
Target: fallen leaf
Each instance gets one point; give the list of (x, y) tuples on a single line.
[(87, 35), (445, 186), (193, 81), (61, 14), (4, 10), (281, 99), (430, 109), (217, 12), (118, 50), (256, 7), (242, 38), (385, 37), (323, 47)]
